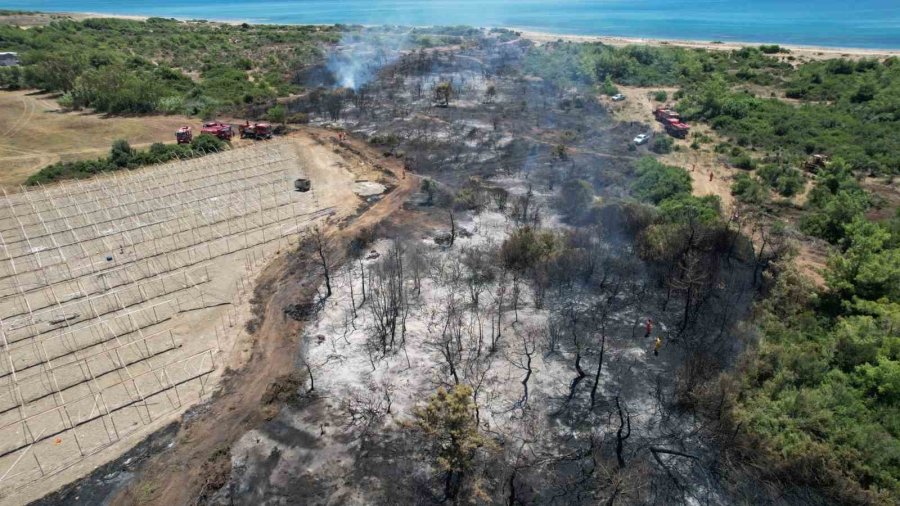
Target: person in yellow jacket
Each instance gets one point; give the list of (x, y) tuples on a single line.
[(657, 346)]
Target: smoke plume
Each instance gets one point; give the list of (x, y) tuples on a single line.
[(360, 55)]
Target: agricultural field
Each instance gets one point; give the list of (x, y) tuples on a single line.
[(123, 296)]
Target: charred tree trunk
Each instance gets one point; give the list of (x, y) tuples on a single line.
[(599, 370), (624, 421), (577, 379), (321, 249)]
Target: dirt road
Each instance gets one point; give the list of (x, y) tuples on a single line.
[(180, 475)]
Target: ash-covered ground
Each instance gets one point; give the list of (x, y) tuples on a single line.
[(574, 401)]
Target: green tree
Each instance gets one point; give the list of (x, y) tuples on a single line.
[(835, 201), (869, 268), (277, 114), (684, 209), (448, 421), (526, 247), (608, 87)]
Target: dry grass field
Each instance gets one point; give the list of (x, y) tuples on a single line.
[(34, 133)]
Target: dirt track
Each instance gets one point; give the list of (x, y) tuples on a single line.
[(638, 106), (180, 475)]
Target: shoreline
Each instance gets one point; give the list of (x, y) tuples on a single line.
[(612, 40), (539, 36)]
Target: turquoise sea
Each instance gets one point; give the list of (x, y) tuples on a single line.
[(837, 23)]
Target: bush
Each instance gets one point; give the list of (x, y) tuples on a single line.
[(662, 144), (299, 118), (657, 182), (748, 189), (277, 114), (172, 104), (772, 49), (785, 180), (525, 247), (206, 143), (660, 96), (123, 156), (743, 161), (684, 208), (608, 88), (66, 101), (835, 201)]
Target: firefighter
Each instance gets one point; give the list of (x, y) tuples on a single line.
[(710, 175), (657, 346), (648, 327)]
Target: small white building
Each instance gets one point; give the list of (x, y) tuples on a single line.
[(9, 59)]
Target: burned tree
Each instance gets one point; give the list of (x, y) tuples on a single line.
[(323, 248), (387, 300), (623, 433), (521, 358)]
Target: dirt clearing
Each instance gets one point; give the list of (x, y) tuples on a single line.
[(34, 133)]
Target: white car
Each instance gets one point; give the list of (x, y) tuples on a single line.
[(641, 139), (618, 97)]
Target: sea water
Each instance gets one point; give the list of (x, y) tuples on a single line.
[(835, 23)]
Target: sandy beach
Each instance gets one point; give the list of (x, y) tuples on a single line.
[(812, 52)]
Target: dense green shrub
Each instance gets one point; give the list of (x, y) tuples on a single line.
[(123, 156), (277, 114), (662, 144), (787, 181), (608, 88), (824, 385), (126, 66), (748, 189), (743, 161), (834, 202), (657, 182), (772, 49)]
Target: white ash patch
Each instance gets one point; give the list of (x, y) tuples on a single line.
[(368, 188)]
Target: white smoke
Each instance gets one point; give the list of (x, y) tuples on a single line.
[(361, 55)]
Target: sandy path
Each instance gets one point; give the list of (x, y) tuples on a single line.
[(177, 476)]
